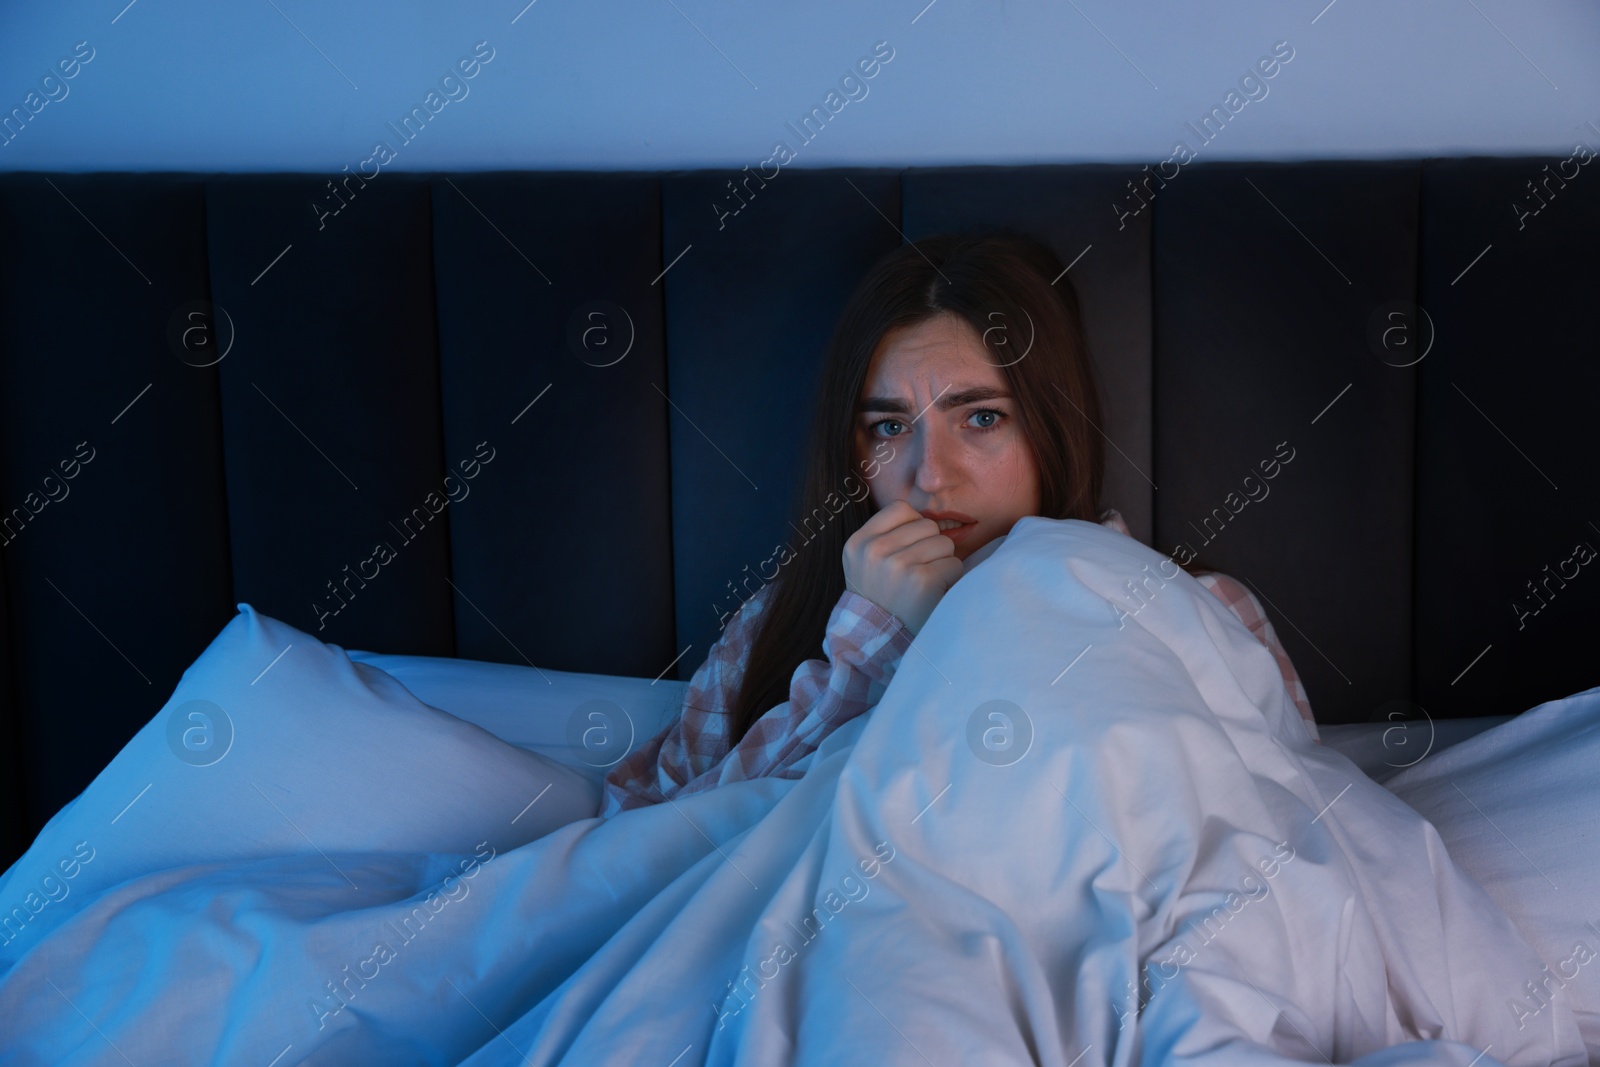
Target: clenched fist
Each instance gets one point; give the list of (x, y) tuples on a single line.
[(901, 562)]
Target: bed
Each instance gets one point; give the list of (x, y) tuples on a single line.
[(453, 351), (320, 857)]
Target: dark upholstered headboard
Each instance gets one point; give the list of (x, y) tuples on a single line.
[(624, 364)]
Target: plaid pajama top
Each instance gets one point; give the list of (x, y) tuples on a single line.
[(863, 645)]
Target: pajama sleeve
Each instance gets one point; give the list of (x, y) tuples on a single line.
[(862, 647)]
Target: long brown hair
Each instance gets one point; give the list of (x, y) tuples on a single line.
[(999, 279)]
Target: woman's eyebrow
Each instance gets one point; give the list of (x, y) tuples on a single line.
[(968, 395)]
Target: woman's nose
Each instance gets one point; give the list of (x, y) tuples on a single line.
[(936, 459)]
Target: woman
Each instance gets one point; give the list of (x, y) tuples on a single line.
[(959, 383)]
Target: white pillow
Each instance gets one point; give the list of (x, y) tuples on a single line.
[(1518, 807), (275, 743), (588, 722), (1384, 749)]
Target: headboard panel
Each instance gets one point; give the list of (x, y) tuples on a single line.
[(551, 316), (1266, 280), (114, 533), (1507, 479), (564, 547), (331, 407)]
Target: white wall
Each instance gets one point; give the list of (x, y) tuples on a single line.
[(634, 84)]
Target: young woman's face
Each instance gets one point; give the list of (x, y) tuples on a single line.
[(953, 440)]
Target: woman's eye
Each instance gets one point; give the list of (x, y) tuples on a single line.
[(998, 417), (995, 415)]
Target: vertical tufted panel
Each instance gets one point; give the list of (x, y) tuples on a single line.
[(16, 827), (115, 585), (750, 308), (331, 417), (1267, 277), (1507, 480), (551, 335), (1108, 255)]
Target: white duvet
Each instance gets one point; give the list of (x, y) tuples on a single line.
[(1081, 827)]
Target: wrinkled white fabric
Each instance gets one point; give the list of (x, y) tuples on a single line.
[(1143, 860)]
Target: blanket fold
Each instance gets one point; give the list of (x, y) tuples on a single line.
[(1084, 825)]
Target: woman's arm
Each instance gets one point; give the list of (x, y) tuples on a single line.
[(863, 646)]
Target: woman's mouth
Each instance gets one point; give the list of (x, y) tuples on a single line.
[(955, 525), (956, 530)]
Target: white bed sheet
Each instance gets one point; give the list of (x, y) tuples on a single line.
[(968, 906)]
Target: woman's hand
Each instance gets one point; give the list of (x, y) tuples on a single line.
[(900, 561)]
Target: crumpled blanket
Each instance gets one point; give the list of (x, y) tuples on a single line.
[(1083, 826)]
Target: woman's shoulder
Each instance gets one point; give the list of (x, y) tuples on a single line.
[(1236, 595), (740, 627), (1229, 590), (1247, 608), (1111, 518), (752, 605)]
